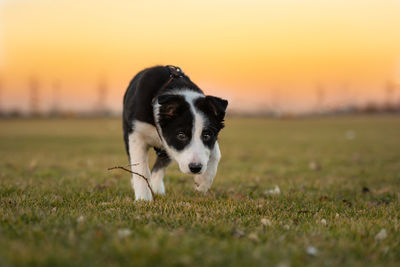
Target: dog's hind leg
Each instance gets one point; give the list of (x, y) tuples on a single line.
[(158, 171), (204, 181), (138, 151)]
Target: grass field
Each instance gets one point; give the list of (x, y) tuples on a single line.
[(339, 181)]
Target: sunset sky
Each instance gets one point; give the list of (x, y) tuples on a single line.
[(258, 54)]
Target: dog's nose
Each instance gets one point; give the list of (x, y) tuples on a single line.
[(195, 167)]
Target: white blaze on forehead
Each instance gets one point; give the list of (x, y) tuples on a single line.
[(197, 152), (196, 146), (198, 118)]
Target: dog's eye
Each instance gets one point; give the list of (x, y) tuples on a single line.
[(206, 136), (181, 136)]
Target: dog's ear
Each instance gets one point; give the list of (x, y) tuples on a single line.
[(169, 105), (217, 106)]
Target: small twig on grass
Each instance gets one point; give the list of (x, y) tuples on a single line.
[(138, 174)]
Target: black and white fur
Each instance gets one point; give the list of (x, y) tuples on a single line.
[(179, 121)]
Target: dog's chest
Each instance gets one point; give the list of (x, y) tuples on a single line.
[(148, 133)]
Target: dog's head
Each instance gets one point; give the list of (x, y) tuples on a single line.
[(189, 123)]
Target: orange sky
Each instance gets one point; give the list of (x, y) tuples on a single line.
[(255, 53)]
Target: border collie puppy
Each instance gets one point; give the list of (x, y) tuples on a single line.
[(165, 110)]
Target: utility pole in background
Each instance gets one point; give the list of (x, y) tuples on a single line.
[(320, 96), (100, 108), (389, 91), (55, 107), (347, 98), (34, 96)]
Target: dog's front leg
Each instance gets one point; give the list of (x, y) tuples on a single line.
[(138, 150), (204, 181), (158, 171)]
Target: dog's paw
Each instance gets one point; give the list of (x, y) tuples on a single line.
[(202, 183), (143, 195), (202, 188), (158, 187), (144, 198)]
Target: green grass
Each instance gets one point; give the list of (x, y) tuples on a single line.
[(60, 206)]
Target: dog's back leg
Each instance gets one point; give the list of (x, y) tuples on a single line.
[(158, 171), (138, 153)]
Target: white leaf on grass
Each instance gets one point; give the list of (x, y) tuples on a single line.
[(350, 134), (238, 233), (80, 219), (275, 191), (381, 235), (266, 222), (122, 233), (253, 237), (312, 251), (313, 165)]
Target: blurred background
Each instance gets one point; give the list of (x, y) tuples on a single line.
[(286, 57)]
